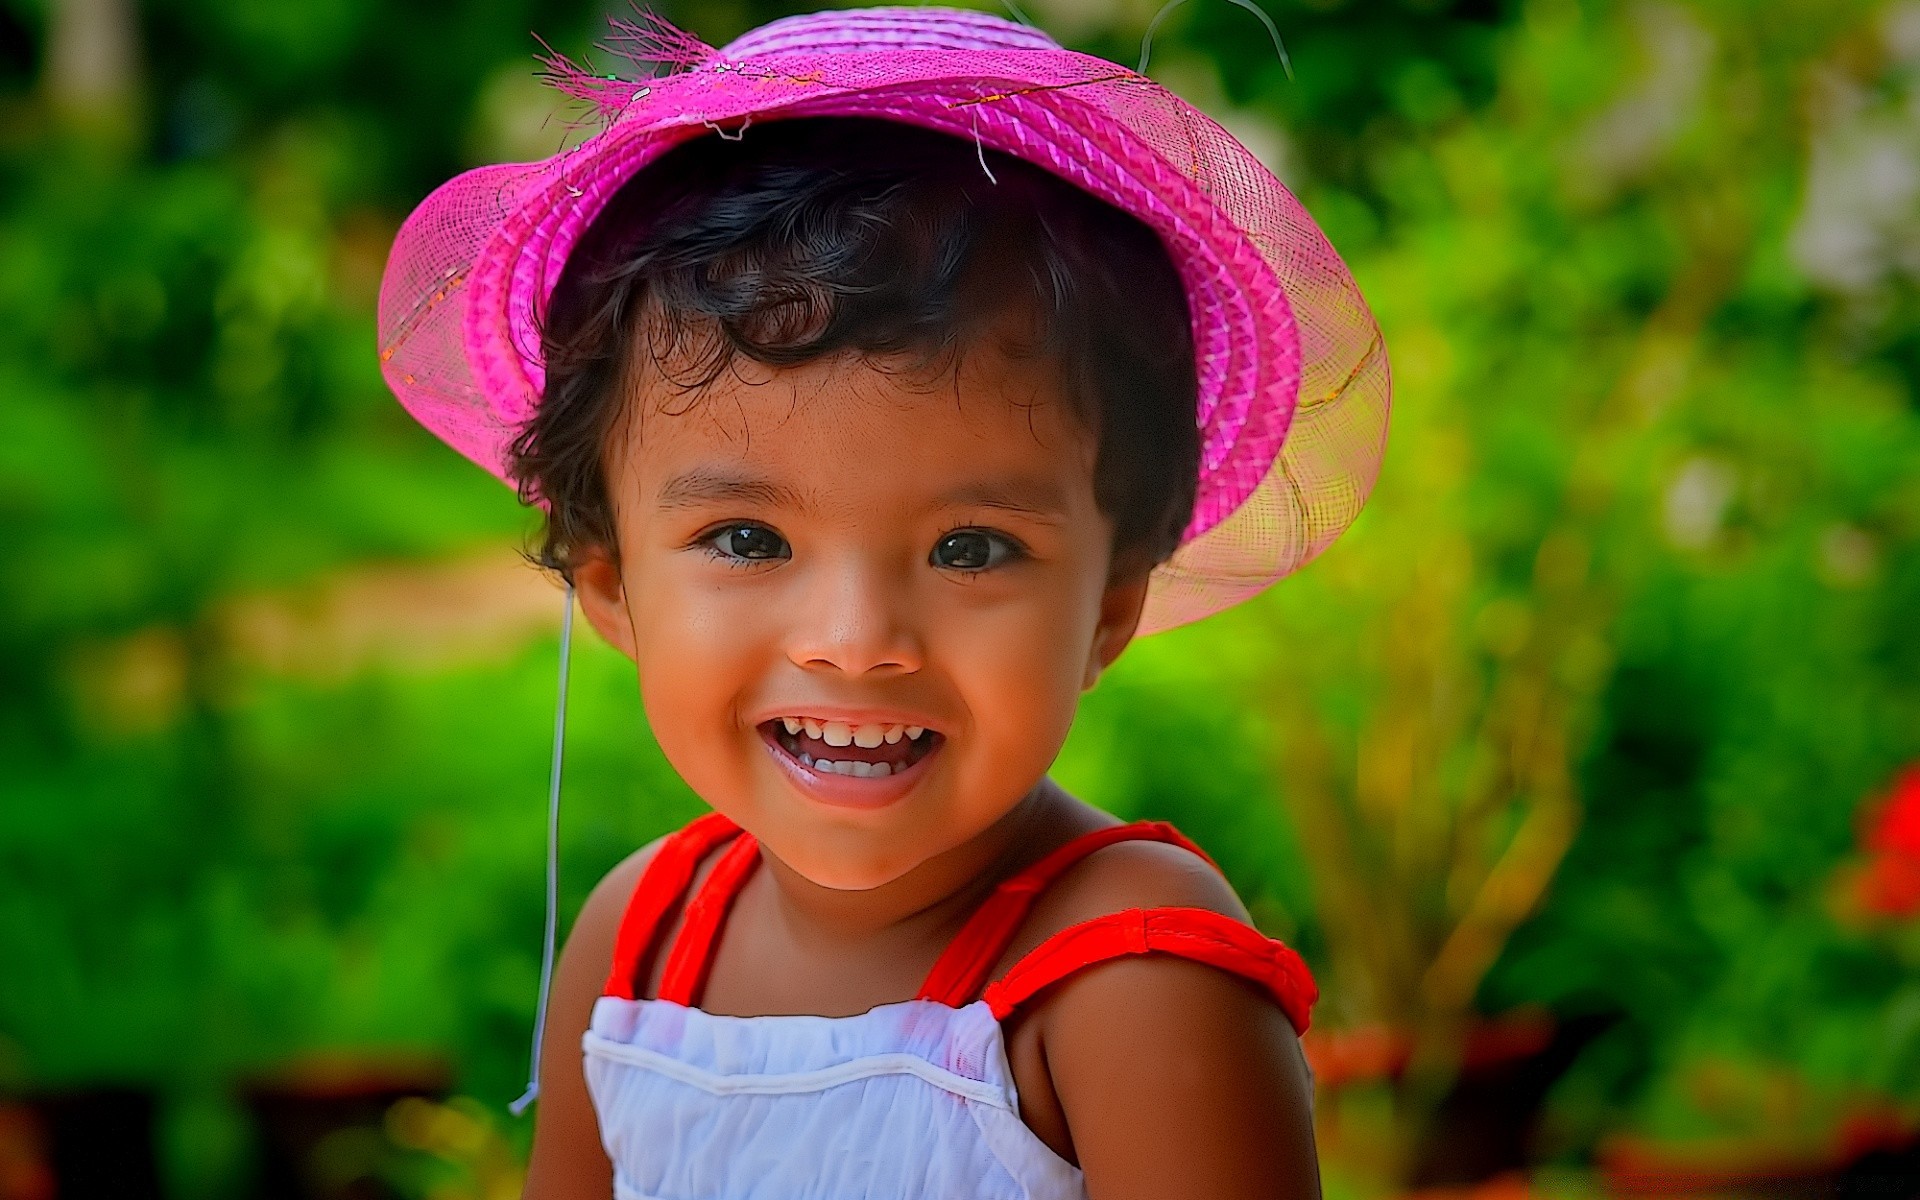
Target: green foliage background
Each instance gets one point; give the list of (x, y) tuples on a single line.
[(1647, 275)]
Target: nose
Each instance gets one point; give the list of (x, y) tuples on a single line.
[(856, 618)]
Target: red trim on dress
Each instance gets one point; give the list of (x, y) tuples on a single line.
[(661, 885), (1198, 934), (962, 970), (692, 954)]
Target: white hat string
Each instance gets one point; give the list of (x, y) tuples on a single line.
[(553, 863)]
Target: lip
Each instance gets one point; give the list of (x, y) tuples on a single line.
[(848, 791)]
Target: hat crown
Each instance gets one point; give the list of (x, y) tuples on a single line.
[(1292, 385), (895, 28)]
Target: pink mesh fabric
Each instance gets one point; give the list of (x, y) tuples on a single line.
[(1293, 380)]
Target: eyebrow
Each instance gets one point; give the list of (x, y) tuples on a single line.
[(708, 485), (1040, 498)]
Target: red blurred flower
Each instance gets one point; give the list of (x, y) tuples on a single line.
[(1890, 886), (1890, 883), (1896, 826)]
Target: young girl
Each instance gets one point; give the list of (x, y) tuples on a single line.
[(881, 375)]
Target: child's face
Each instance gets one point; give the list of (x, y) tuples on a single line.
[(839, 545)]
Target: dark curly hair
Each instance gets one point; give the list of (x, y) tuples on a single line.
[(810, 237)]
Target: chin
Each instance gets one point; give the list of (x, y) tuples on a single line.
[(842, 875), (840, 878)]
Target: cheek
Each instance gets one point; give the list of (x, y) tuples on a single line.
[(1021, 678), (694, 663)]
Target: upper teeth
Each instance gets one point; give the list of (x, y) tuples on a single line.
[(839, 733)]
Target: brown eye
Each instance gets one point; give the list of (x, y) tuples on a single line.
[(748, 543), (972, 550)]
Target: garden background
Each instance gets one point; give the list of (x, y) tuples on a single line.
[(1574, 769)]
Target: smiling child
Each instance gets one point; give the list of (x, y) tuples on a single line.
[(880, 376)]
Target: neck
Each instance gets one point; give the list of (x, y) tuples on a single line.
[(935, 895)]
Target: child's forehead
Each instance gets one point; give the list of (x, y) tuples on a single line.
[(987, 426)]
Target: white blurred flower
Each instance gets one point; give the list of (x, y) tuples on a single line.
[(1860, 224), (1697, 500)]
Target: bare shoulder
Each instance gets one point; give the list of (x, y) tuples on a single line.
[(1126, 875), (588, 953), (599, 920), (567, 1160), (1210, 1096)]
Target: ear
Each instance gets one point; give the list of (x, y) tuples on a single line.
[(603, 598), (1120, 608)]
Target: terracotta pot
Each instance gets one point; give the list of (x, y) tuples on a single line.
[(78, 1145), (320, 1125), (1873, 1151), (1482, 1129)]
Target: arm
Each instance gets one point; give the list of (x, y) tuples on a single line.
[(1174, 1078), (1180, 1080), (568, 1162)]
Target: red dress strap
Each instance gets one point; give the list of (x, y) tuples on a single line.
[(661, 886), (1199, 934), (963, 968), (692, 954)]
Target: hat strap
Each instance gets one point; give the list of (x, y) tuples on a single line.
[(553, 862)]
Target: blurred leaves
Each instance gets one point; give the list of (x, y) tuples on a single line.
[(1579, 715)]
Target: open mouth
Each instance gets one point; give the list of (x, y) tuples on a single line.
[(855, 751)]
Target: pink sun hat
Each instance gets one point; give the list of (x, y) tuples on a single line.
[(1293, 382)]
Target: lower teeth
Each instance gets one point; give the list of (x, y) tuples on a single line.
[(853, 767)]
